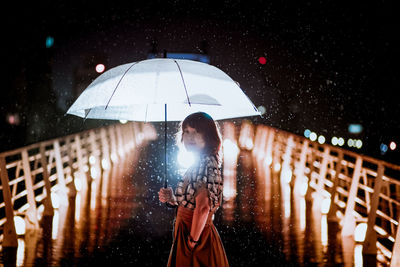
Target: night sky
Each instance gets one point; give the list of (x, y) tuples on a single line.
[(328, 64)]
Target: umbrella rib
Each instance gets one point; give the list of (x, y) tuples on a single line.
[(184, 85), (115, 89)]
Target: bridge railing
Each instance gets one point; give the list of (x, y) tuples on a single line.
[(357, 190), (59, 168)]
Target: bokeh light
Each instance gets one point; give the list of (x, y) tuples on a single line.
[(100, 68), (262, 60)]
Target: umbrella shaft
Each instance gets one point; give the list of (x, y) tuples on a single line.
[(165, 148)]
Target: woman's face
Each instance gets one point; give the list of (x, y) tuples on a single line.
[(192, 139)]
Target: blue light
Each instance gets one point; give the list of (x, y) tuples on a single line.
[(49, 41), (383, 148), (307, 133), (355, 128)]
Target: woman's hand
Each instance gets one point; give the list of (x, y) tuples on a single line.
[(190, 243), (166, 195)]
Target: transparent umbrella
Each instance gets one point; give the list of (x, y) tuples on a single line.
[(162, 89)]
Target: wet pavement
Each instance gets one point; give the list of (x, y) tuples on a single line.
[(265, 224)]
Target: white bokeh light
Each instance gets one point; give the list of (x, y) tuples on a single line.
[(185, 158)]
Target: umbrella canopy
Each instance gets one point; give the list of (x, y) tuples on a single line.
[(140, 91)]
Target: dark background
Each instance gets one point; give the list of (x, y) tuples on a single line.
[(329, 63)]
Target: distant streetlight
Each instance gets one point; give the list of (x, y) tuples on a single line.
[(392, 145), (307, 133), (313, 136), (383, 148), (340, 141), (100, 68), (335, 141)]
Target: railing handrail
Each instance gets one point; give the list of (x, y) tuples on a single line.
[(339, 174), (70, 155)]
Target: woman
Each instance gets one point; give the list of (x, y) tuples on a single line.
[(198, 195)]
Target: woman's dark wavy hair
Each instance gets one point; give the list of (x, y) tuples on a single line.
[(205, 125)]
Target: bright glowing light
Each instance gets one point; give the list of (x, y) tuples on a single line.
[(358, 144), (92, 160), (77, 205), (114, 157), (286, 175), (230, 148), (350, 142), (55, 224), (302, 214), (40, 211), (325, 205), (19, 223), (105, 164), (324, 230), (249, 144), (21, 252), (321, 139), (123, 121), (392, 145), (307, 133), (340, 141), (78, 184), (85, 168), (286, 197), (94, 173), (334, 140), (228, 192), (360, 232), (358, 255), (304, 187), (100, 68), (268, 160), (313, 136), (185, 158), (55, 200), (277, 166)]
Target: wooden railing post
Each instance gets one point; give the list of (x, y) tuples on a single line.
[(97, 165), (314, 150), (71, 187), (321, 179), (60, 169), (369, 246), (48, 206), (119, 141), (31, 213), (114, 148), (287, 158), (106, 157), (10, 235), (333, 209), (79, 157), (349, 222), (395, 260), (299, 171)]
